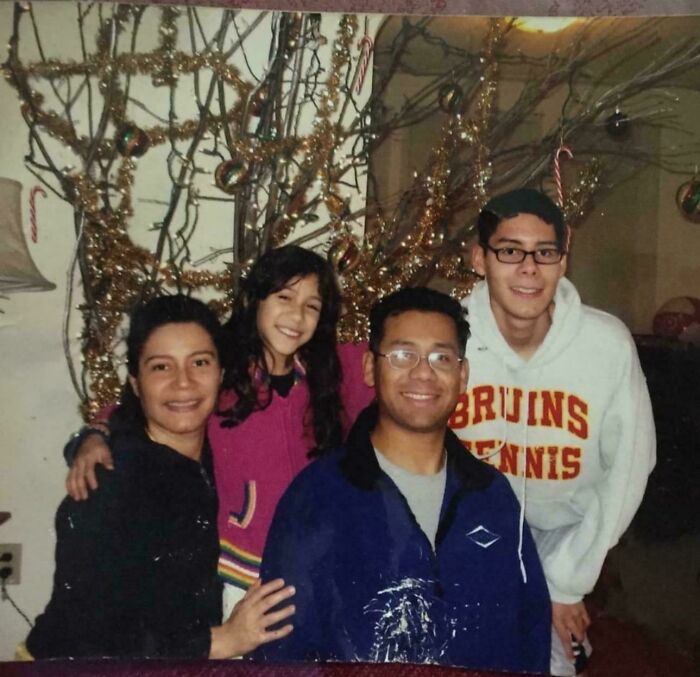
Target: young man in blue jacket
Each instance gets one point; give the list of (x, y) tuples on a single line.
[(402, 547)]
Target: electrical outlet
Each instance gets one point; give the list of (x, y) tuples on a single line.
[(11, 558)]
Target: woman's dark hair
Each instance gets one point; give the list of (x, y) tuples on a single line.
[(144, 320), (244, 351)]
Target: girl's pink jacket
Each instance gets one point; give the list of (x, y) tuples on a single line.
[(255, 461)]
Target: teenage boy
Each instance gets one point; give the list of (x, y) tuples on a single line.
[(557, 401), (401, 546)]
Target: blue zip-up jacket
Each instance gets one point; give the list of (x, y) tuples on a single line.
[(369, 586)]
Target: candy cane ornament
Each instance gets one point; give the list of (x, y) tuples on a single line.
[(557, 171), (34, 230), (562, 150), (366, 47)]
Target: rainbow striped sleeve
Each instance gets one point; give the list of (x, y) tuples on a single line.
[(237, 566)]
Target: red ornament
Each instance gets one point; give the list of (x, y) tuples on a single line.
[(229, 175), (258, 101), (344, 255), (132, 141), (678, 318)]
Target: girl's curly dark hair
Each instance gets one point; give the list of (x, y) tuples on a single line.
[(244, 350)]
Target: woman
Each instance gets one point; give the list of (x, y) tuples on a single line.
[(136, 563)]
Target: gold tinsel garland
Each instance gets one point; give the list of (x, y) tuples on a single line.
[(419, 254), (121, 269), (102, 66), (117, 272), (579, 198), (375, 269), (318, 148)]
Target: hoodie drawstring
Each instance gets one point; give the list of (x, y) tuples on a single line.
[(523, 495)]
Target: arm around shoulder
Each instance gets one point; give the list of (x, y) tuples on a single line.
[(84, 451)]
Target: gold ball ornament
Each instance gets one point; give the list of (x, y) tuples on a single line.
[(344, 255), (229, 175), (335, 204), (450, 97), (258, 102), (132, 141)]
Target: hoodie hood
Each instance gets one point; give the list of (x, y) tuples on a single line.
[(485, 334)]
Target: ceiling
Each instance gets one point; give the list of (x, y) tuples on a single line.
[(446, 41)]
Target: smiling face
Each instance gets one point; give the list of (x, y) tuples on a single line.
[(177, 382), (520, 292), (287, 319), (418, 400)]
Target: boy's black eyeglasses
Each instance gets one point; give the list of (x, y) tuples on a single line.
[(544, 256)]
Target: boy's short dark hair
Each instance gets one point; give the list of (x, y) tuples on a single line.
[(423, 300), (520, 201)]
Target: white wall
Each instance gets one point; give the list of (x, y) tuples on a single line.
[(636, 251), (39, 406)]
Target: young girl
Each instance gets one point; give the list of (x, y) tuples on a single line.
[(136, 564), (289, 392)]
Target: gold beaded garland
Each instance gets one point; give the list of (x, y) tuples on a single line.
[(119, 273)]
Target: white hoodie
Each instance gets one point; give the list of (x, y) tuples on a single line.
[(589, 435)]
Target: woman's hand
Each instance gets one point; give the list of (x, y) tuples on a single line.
[(247, 627), (81, 475)]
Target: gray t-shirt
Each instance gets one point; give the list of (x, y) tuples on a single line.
[(423, 493)]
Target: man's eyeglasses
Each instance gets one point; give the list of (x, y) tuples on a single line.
[(439, 360), (544, 256)]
